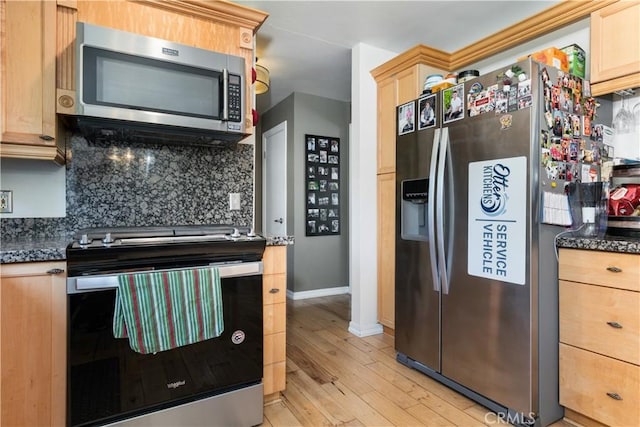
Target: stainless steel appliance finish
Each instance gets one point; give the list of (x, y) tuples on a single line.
[(493, 340), (154, 86), (212, 382), (235, 408)]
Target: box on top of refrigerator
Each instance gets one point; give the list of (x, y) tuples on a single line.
[(551, 56), (576, 58)]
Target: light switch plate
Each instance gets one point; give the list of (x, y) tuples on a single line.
[(6, 201)]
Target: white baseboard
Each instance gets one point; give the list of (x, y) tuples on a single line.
[(366, 330), (326, 292)]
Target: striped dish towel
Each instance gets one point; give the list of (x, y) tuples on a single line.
[(159, 311)]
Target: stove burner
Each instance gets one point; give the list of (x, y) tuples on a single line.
[(143, 236), (96, 250)]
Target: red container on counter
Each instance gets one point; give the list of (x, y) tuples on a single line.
[(624, 200)]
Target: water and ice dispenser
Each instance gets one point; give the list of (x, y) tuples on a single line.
[(414, 208)]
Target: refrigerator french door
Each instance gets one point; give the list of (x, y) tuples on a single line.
[(417, 325), (473, 307)]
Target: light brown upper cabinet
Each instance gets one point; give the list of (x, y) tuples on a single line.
[(398, 88), (28, 123), (615, 47)]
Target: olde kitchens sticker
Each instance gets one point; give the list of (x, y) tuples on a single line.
[(497, 220)]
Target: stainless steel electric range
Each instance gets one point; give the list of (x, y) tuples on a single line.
[(213, 382)]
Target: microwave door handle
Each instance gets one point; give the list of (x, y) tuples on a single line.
[(225, 94)]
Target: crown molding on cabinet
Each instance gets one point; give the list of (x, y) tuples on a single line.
[(535, 26), (548, 20), (71, 4), (419, 54), (219, 10)]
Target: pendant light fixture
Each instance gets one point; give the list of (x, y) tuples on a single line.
[(262, 79)]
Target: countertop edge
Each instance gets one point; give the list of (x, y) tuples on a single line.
[(280, 240), (605, 244)]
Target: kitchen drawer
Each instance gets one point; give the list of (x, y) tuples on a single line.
[(275, 348), (274, 377), (274, 289), (588, 380), (274, 318), (274, 260), (585, 313), (615, 270)]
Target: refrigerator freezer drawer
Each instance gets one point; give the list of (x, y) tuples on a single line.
[(601, 320), (615, 270), (599, 387)]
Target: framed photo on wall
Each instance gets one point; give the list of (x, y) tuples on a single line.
[(322, 185)]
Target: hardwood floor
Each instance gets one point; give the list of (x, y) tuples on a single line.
[(336, 378)]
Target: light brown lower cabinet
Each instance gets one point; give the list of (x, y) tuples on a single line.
[(274, 313), (33, 344), (600, 336), (599, 387)]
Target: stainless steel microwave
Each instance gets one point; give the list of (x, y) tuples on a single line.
[(132, 80)]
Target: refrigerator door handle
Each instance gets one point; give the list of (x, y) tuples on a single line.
[(431, 213), (442, 155)]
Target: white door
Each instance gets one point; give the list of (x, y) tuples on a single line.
[(274, 180)]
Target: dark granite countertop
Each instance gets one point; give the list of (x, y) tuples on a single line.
[(33, 250), (279, 240), (54, 249), (606, 244)]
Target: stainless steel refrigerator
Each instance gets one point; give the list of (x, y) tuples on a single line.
[(476, 274)]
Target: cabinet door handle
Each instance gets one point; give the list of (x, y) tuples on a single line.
[(614, 269), (615, 325), (55, 271), (615, 396), (46, 138), (274, 290)]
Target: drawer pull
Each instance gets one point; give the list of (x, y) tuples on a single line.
[(615, 396), (55, 271), (274, 290), (614, 269), (615, 325)]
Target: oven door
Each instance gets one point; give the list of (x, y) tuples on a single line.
[(107, 381)]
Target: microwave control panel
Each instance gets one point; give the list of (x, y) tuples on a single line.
[(235, 98)]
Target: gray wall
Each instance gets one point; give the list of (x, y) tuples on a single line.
[(313, 262)]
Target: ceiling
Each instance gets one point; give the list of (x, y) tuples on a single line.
[(306, 45)]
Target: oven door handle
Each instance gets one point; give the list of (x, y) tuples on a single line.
[(107, 281)]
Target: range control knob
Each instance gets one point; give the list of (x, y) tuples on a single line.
[(235, 233), (251, 233), (107, 239), (84, 240)]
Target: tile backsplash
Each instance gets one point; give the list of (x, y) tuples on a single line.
[(140, 184)]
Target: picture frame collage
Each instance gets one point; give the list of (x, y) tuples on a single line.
[(322, 185), (425, 114)]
